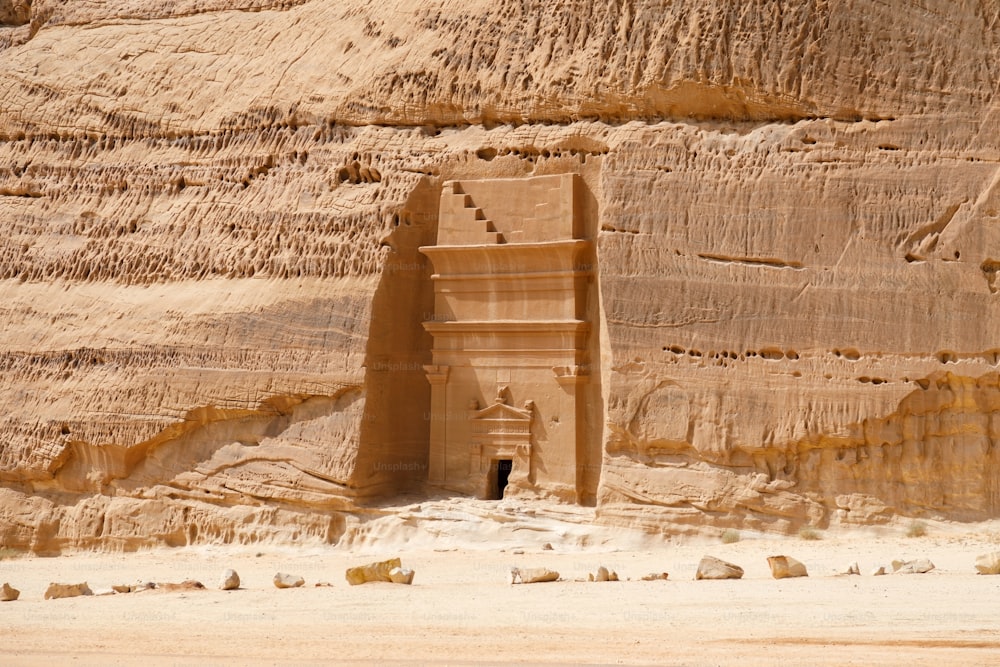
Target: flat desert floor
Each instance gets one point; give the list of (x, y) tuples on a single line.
[(461, 610)]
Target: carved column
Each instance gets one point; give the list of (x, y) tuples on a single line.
[(438, 460), (571, 378)]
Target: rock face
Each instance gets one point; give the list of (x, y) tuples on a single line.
[(771, 294), (713, 568), (784, 567), (988, 563)]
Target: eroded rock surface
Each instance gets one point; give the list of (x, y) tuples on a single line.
[(212, 297)]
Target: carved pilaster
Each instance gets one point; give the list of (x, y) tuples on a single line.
[(437, 463)]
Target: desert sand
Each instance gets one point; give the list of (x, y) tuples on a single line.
[(461, 609)]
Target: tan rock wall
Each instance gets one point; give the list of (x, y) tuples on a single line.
[(211, 296)]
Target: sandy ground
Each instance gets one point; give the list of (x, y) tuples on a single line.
[(461, 610)]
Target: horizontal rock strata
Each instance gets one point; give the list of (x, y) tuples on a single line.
[(211, 294)]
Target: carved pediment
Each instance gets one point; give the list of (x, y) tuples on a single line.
[(501, 419), (502, 411)]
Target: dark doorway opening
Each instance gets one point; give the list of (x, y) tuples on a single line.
[(503, 474)]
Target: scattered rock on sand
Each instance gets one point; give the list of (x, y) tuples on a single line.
[(186, 585), (656, 576), (547, 546), (878, 571), (282, 580), (532, 575), (132, 588), (852, 569), (230, 581), (56, 591), (603, 574), (713, 568), (918, 566), (378, 571), (988, 563), (786, 567), (8, 594), (401, 575)]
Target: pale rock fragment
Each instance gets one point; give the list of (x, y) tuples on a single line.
[(401, 575), (532, 575), (230, 580), (919, 566), (878, 571), (282, 580), (713, 568), (656, 576)]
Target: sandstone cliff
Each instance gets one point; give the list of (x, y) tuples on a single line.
[(212, 295)]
